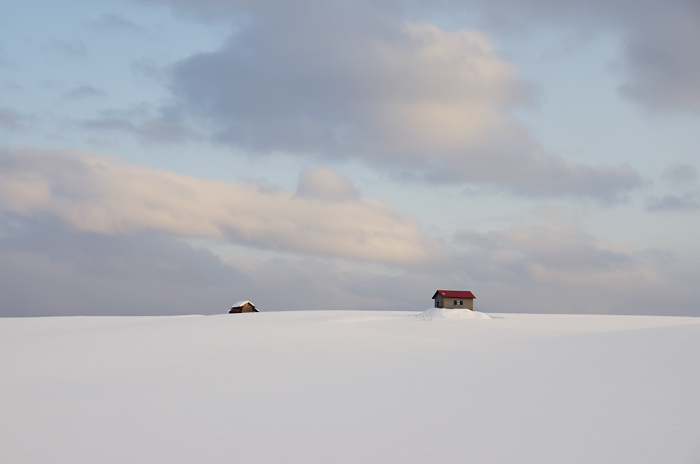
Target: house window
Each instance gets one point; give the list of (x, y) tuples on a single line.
[(458, 303)]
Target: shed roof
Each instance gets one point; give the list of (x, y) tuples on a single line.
[(241, 303), (454, 294)]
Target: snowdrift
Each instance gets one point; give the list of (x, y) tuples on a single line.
[(457, 313)]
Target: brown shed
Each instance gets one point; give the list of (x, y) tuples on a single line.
[(243, 307), (454, 299)]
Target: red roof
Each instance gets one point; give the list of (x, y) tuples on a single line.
[(454, 294)]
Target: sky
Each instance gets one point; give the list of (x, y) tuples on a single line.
[(176, 156)]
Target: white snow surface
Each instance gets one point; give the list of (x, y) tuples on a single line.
[(456, 313), (350, 387)]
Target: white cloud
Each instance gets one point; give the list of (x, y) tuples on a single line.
[(326, 184), (95, 193), (359, 81), (414, 90)]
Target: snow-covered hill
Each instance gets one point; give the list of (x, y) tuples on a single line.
[(350, 387)]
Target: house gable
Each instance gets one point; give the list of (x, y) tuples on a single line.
[(243, 307)]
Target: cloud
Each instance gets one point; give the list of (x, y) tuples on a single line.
[(562, 269), (689, 201), (49, 270), (356, 80), (84, 91), (161, 130), (559, 252), (148, 67), (332, 88), (82, 233), (166, 127), (10, 120), (73, 49), (93, 193), (326, 184), (681, 174), (683, 179), (659, 38), (661, 62), (114, 22)]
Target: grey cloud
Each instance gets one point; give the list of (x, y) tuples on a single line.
[(356, 80), (681, 174), (689, 201), (50, 271), (659, 38), (312, 285), (68, 48), (147, 67), (163, 130), (661, 60), (165, 127), (549, 269), (114, 22), (110, 123), (51, 84), (238, 11), (84, 91), (682, 178), (115, 257), (520, 253), (542, 176), (10, 120)]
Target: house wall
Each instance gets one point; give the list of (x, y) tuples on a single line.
[(449, 303)]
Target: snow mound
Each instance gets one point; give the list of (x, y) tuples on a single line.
[(458, 313)]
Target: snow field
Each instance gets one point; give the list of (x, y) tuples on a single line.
[(350, 387)]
